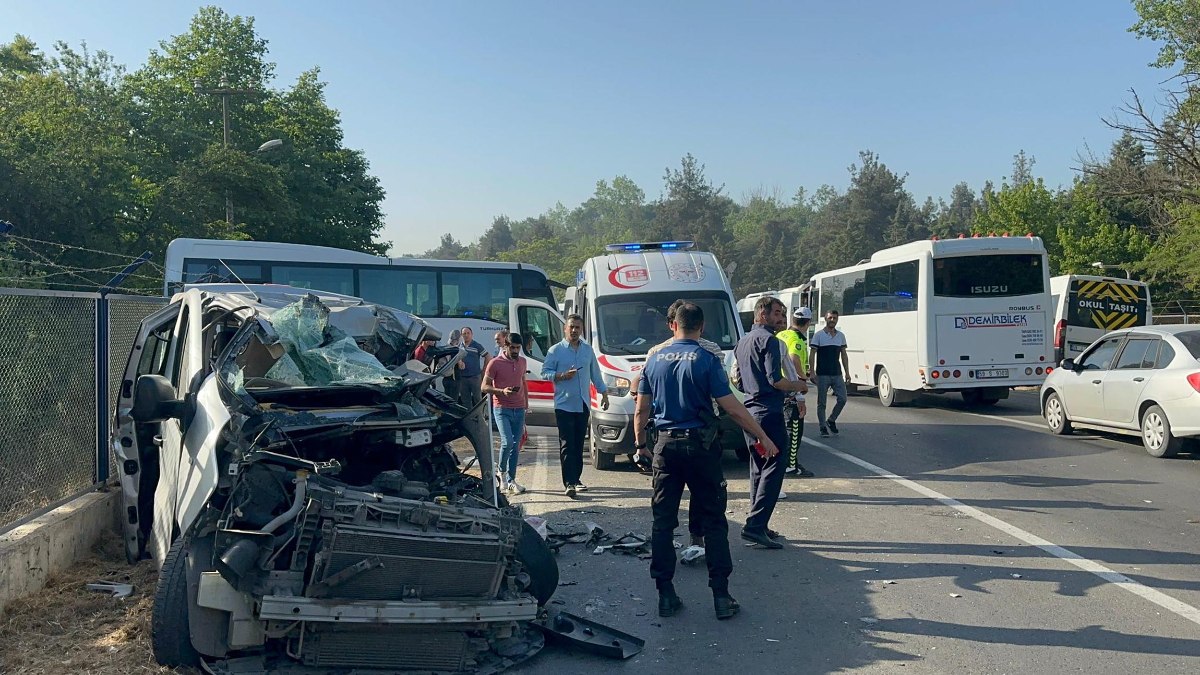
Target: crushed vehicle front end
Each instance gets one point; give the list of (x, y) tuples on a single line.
[(339, 531)]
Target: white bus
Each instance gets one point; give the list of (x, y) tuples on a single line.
[(967, 315), (448, 294)]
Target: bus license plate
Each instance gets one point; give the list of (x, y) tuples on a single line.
[(991, 373)]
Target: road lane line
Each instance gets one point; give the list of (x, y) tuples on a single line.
[(1157, 597), (1001, 417)]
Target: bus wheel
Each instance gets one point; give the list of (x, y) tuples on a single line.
[(887, 393)]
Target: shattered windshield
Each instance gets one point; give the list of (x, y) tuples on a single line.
[(308, 344)]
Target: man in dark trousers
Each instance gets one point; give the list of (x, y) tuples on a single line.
[(760, 360), (571, 366), (678, 386)]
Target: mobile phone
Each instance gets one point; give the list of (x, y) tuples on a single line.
[(516, 389)]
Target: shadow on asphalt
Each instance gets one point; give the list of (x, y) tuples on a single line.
[(777, 590)]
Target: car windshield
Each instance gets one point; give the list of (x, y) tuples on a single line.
[(634, 324), (1191, 340)]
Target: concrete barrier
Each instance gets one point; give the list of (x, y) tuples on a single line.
[(31, 553)]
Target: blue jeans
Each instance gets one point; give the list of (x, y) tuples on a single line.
[(824, 382), (511, 423)]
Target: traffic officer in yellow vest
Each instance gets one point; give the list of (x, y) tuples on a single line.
[(796, 341)]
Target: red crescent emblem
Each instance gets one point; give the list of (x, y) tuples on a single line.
[(636, 277)]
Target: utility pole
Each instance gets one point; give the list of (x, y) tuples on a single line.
[(224, 91)]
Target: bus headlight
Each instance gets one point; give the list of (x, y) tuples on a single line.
[(617, 386)]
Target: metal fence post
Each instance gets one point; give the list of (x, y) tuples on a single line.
[(102, 420)]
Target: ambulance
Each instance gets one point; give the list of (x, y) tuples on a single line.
[(623, 297)]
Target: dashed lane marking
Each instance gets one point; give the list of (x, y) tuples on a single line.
[(1159, 598)]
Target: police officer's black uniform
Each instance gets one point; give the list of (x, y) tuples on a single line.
[(682, 380)]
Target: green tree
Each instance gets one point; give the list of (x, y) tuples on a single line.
[(692, 208), (1088, 233)]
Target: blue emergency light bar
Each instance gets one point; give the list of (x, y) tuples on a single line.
[(651, 246)]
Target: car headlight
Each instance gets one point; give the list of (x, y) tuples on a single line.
[(617, 386)]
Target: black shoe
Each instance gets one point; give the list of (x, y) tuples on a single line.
[(726, 607), (774, 534), (570, 491), (668, 603), (824, 432), (761, 539), (805, 473), (833, 427), (698, 540), (581, 487)]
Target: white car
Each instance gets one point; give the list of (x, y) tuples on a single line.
[(1143, 381)]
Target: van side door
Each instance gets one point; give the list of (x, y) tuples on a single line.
[(541, 327)]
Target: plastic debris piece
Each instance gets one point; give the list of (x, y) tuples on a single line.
[(770, 640), (691, 555), (539, 526), (117, 590), (888, 582), (868, 619), (1016, 576), (955, 595)]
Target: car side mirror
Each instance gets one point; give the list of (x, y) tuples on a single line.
[(1069, 364), (154, 400)]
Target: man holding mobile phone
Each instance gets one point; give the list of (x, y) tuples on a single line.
[(571, 365), (504, 379)]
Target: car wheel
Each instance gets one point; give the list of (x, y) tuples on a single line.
[(170, 636), (1056, 415), (601, 460), (887, 393), (539, 563), (1156, 434)]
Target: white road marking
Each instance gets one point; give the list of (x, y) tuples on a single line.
[(1157, 597), (1035, 425)]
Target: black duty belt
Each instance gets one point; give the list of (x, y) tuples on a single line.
[(692, 434)]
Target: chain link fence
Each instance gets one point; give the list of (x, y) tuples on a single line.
[(60, 365), (1177, 311)]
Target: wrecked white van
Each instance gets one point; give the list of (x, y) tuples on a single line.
[(296, 484)]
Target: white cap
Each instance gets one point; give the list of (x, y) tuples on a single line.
[(802, 313)]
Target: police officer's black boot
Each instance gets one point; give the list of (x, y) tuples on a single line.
[(724, 605), (668, 601)]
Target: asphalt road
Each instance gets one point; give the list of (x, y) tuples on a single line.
[(934, 539)]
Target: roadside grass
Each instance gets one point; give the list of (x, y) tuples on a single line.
[(66, 628)]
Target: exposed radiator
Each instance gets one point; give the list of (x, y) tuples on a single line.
[(413, 565)]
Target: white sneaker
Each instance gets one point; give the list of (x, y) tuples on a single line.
[(516, 488), (504, 484), (782, 494)]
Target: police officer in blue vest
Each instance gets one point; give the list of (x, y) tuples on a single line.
[(678, 386)]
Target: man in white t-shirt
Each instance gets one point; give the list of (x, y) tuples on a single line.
[(831, 366)]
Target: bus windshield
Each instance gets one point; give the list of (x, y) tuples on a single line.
[(632, 324), (988, 276)]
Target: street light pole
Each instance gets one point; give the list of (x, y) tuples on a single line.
[(224, 91)]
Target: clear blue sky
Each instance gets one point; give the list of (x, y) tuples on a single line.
[(468, 110)]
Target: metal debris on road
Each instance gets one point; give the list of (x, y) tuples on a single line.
[(631, 544)]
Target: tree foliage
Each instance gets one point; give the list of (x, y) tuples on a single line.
[(99, 159)]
